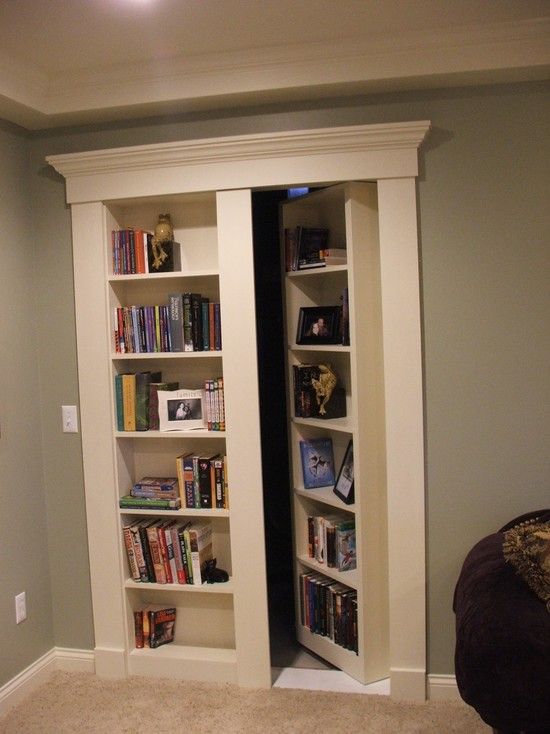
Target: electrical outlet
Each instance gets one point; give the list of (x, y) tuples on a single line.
[(69, 418), (20, 607)]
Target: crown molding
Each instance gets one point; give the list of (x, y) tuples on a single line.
[(495, 52), (351, 139)]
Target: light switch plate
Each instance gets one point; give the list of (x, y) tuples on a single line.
[(70, 418)]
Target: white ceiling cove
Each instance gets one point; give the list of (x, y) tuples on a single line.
[(80, 61)]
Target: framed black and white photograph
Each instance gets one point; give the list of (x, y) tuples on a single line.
[(318, 325), (343, 487), (181, 410)]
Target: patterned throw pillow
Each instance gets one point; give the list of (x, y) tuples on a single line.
[(527, 548)]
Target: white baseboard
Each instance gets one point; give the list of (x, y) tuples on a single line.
[(442, 688), (439, 687), (36, 674)]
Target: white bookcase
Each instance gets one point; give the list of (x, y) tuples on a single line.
[(350, 212), (222, 631)]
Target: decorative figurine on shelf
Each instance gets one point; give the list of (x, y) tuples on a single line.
[(213, 575), (164, 235), (324, 386)]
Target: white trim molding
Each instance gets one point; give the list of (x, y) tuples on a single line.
[(36, 674), (443, 688)]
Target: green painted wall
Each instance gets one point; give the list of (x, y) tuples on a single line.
[(24, 561), (485, 261)]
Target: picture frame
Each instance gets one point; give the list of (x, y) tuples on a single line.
[(344, 485), (317, 462), (318, 325), (181, 410)]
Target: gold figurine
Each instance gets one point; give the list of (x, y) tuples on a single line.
[(164, 233), (324, 386)]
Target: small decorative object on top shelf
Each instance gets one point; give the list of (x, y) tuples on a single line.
[(318, 325), (344, 486), (317, 462), (162, 252)]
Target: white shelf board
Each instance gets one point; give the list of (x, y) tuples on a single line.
[(197, 433), (331, 424), (166, 355), (308, 272), (349, 578), (183, 512), (223, 588), (325, 495), (176, 275)]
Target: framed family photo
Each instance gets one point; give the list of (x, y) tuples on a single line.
[(318, 325), (181, 410), (343, 486)]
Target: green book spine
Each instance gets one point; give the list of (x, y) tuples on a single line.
[(118, 403)]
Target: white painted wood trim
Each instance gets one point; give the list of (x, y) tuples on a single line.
[(244, 450), (27, 681), (404, 430), (38, 673), (443, 688), (246, 161), (264, 146)]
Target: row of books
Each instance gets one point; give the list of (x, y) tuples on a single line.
[(310, 392), (308, 247), (331, 541), (136, 400), (168, 551), (154, 626), (143, 402), (195, 323), (130, 251), (202, 481), (188, 323), (133, 252), (329, 609)]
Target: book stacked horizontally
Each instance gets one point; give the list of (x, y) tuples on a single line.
[(155, 493)]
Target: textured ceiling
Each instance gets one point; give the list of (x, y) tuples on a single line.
[(64, 61)]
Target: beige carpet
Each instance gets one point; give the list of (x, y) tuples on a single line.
[(80, 702)]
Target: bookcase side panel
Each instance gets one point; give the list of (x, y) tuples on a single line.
[(404, 435), (367, 378), (243, 436), (89, 253)]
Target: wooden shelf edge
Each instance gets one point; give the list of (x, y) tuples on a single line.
[(177, 274), (348, 578), (117, 356), (225, 588), (325, 495), (199, 433)]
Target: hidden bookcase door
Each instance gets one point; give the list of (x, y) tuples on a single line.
[(341, 604), (108, 187)]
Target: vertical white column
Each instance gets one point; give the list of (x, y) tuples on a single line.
[(243, 436), (96, 420), (404, 436)]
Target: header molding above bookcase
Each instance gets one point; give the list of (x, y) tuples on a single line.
[(318, 156)]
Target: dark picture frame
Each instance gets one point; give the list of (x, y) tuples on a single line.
[(318, 325), (344, 485)]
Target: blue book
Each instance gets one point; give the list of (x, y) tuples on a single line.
[(317, 462)]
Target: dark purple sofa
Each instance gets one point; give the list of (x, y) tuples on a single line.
[(502, 657)]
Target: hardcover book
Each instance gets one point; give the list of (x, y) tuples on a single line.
[(317, 462)]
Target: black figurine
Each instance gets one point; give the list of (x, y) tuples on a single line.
[(213, 575)]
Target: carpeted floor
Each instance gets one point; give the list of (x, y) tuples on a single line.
[(72, 703)]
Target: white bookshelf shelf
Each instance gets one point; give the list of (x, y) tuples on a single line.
[(224, 588)]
